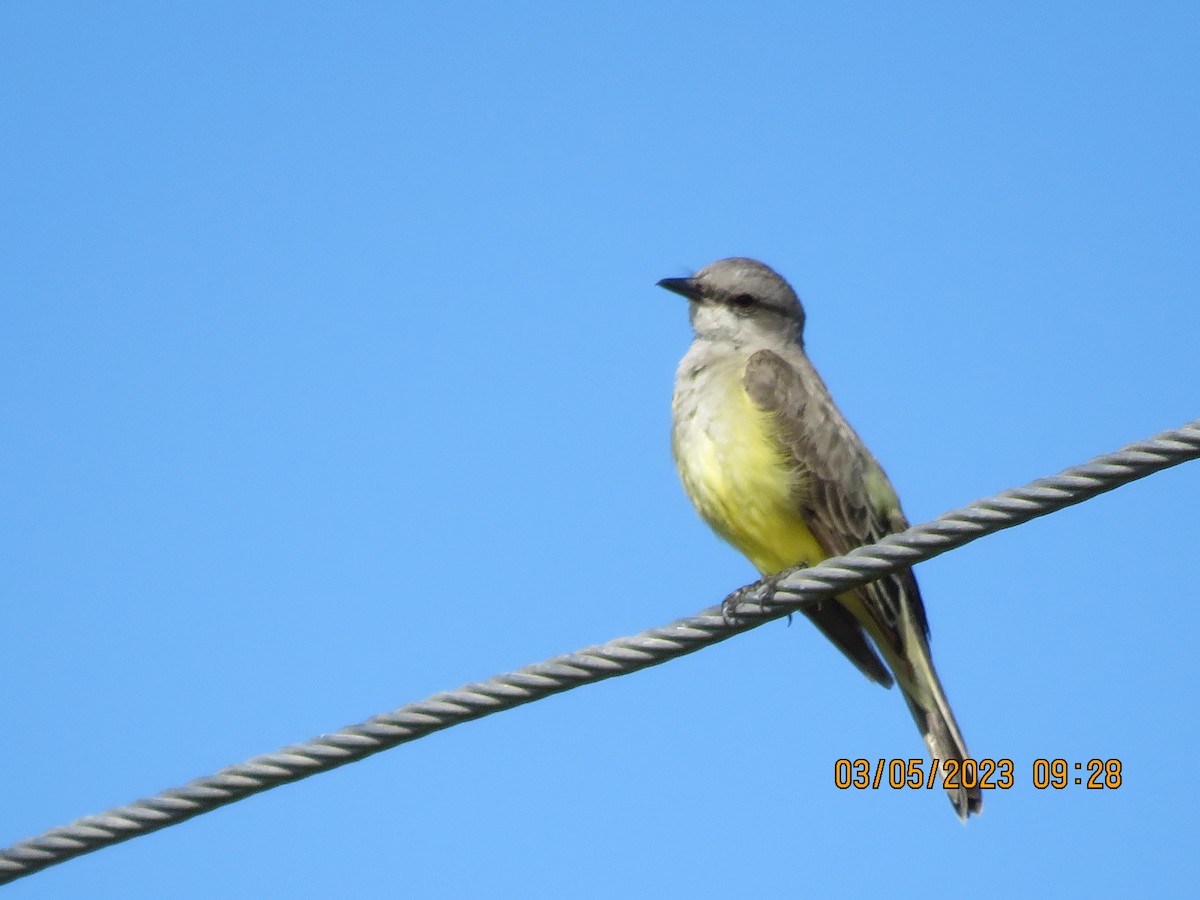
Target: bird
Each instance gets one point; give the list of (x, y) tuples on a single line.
[(773, 467)]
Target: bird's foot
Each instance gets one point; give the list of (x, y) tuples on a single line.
[(751, 593), (760, 594), (757, 594)]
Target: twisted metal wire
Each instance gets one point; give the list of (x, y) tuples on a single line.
[(769, 599)]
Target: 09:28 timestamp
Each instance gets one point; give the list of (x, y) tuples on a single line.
[(1060, 773)]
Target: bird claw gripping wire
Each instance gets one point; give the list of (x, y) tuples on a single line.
[(761, 594)]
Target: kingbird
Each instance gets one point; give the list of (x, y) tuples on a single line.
[(774, 468)]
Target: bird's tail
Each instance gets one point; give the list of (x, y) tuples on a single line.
[(931, 711)]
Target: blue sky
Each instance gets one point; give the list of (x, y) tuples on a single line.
[(335, 375)]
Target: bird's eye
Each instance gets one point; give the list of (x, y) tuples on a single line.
[(743, 301)]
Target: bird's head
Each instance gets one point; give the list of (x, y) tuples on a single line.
[(741, 300)]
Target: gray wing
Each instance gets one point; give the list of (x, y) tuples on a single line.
[(843, 493), (847, 502)]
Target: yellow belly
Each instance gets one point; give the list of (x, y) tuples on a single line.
[(738, 477)]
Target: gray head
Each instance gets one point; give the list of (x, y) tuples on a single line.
[(741, 300)]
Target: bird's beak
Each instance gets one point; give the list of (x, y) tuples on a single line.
[(685, 287)]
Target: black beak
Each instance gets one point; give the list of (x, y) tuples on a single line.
[(685, 287)]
